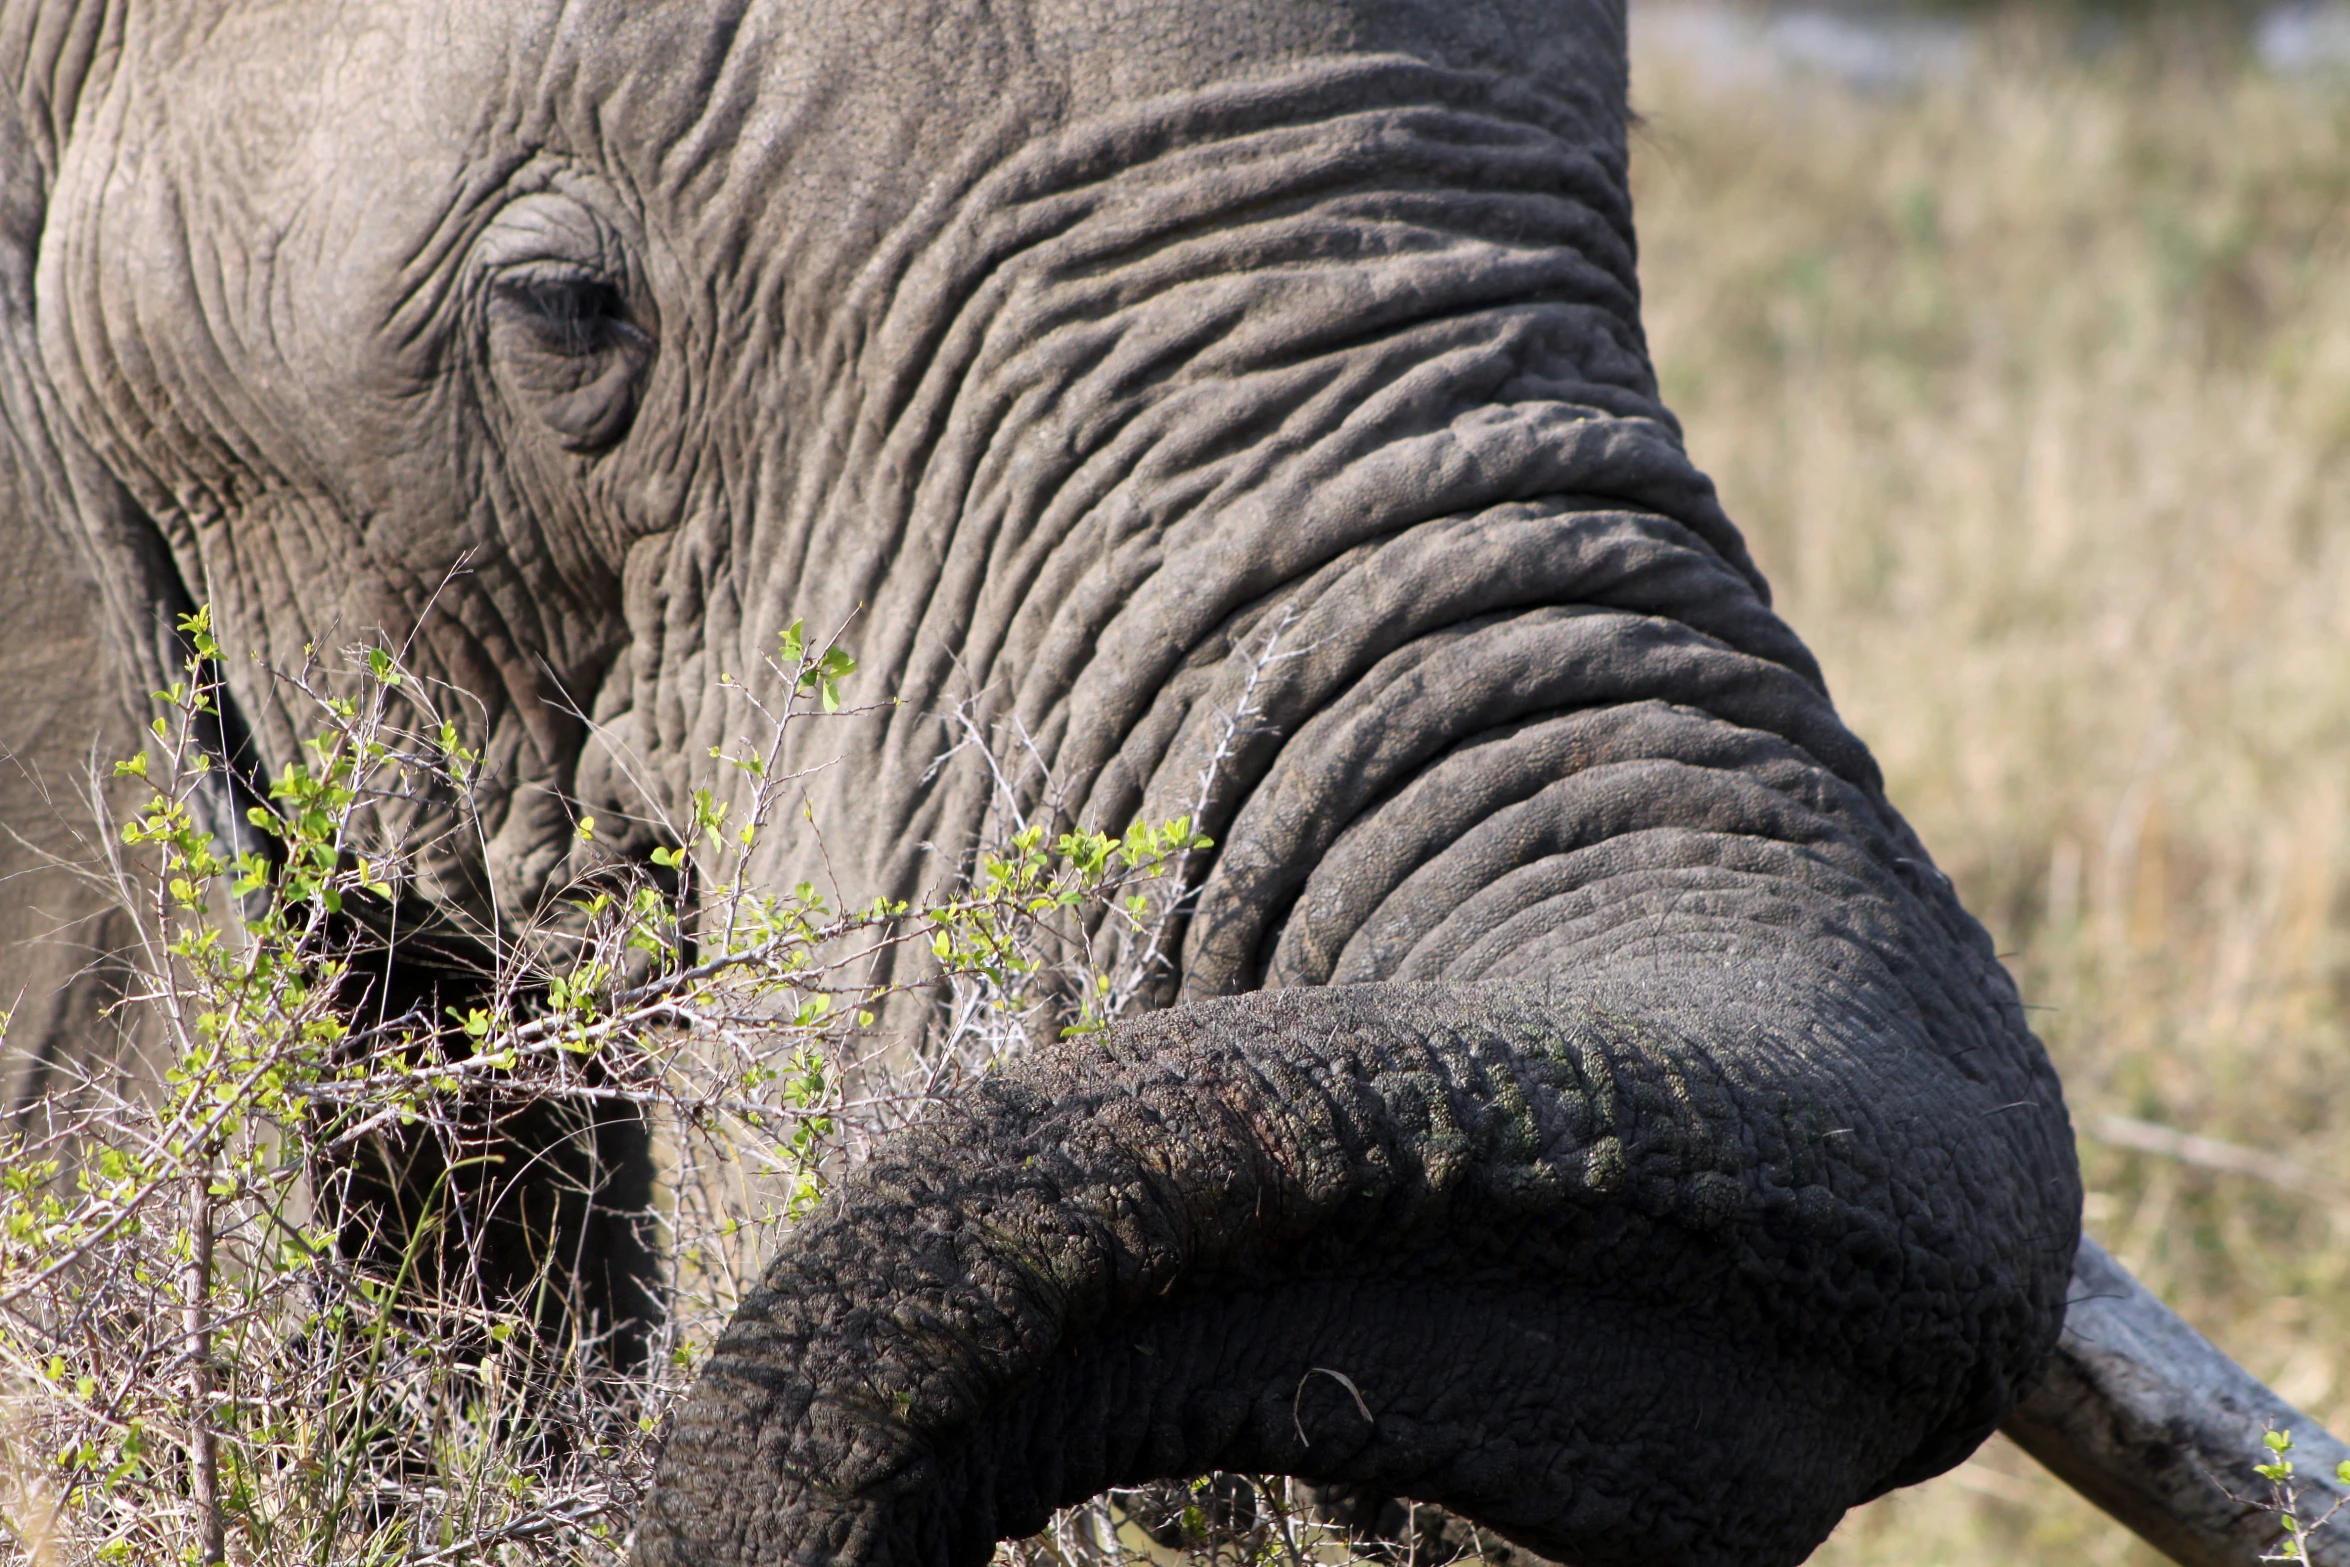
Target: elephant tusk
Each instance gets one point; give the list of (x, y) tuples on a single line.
[(1297, 1418), (2148, 1419)]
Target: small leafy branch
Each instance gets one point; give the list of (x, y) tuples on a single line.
[(2283, 1501), (215, 1344)]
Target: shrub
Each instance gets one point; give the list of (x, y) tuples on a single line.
[(214, 1340)]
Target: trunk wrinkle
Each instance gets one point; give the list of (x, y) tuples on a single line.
[(1605, 1207)]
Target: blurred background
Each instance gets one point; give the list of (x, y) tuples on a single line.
[(2018, 340)]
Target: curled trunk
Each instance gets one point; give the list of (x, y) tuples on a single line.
[(1587, 1255), (1578, 1057)]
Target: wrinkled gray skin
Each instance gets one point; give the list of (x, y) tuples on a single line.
[(1575, 1050)]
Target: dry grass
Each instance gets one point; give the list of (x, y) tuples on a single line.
[(2033, 394)]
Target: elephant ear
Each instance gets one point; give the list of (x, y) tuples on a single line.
[(88, 596)]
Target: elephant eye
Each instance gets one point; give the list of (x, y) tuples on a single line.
[(573, 314), (567, 346)]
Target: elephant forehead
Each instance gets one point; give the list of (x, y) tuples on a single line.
[(859, 113), (299, 138), (222, 248), (950, 63)]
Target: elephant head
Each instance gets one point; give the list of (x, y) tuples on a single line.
[(1582, 1102)]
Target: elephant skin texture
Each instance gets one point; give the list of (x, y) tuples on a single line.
[(1578, 1101)]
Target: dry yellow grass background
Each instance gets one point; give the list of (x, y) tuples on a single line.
[(2032, 392)]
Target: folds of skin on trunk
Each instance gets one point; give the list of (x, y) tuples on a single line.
[(1576, 1059), (1607, 1278), (1624, 1106)]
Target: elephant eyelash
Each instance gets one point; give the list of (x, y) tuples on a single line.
[(573, 314)]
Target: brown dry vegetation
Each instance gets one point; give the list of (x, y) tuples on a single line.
[(2032, 393)]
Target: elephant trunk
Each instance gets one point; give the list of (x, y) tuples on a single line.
[(1629, 1141), (1551, 1255)]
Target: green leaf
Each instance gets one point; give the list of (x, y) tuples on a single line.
[(710, 813)]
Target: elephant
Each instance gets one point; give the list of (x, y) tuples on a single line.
[(1578, 1100)]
